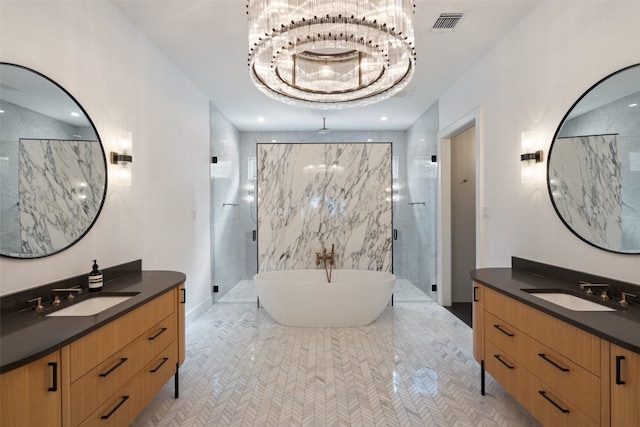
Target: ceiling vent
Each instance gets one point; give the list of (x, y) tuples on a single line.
[(446, 22)]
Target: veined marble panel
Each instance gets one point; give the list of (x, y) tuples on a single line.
[(311, 196), (59, 192), (586, 184)]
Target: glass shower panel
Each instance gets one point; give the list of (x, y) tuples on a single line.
[(233, 211)]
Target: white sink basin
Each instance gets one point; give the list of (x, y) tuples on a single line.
[(571, 302), (91, 306)]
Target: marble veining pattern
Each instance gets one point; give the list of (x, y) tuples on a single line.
[(57, 173), (314, 195), (413, 366), (585, 178)]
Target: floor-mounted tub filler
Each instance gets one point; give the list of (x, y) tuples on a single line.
[(303, 298)]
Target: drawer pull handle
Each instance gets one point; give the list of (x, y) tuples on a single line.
[(164, 360), (54, 385), (475, 294), (157, 334), (124, 399), (114, 367), (546, 359), (619, 360), (497, 356), (184, 296), (509, 334), (560, 408)]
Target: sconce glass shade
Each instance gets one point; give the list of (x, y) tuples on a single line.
[(123, 159), (530, 158)]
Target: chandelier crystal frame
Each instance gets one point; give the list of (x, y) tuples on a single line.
[(331, 54)]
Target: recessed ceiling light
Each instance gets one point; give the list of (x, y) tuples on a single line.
[(261, 119), (633, 105), (74, 114), (383, 118), (369, 140), (1, 111), (273, 140)]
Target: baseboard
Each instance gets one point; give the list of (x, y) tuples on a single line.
[(191, 316)]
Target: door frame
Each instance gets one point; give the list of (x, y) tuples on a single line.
[(471, 119)]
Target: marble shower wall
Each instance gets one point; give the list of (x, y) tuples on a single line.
[(313, 195), (586, 181)]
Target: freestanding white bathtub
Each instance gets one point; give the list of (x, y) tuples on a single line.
[(303, 298)]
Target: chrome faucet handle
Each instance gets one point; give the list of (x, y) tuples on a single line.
[(623, 301), (39, 307), (56, 301)]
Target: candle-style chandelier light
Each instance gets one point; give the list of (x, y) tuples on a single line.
[(331, 54)]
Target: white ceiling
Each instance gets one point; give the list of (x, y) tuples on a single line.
[(207, 41)]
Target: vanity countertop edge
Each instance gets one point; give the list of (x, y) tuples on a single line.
[(620, 327), (27, 336)]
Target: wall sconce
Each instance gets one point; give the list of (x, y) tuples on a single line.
[(123, 159), (529, 157)]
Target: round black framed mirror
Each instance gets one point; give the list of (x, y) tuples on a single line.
[(593, 170), (53, 168)]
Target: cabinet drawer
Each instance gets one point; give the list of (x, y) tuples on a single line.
[(573, 343), (503, 367), (552, 409), (91, 390), (157, 372), (505, 336), (119, 410), (572, 382), (91, 350), (125, 405)]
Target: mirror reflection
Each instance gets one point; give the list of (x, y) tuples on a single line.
[(52, 166), (594, 164)]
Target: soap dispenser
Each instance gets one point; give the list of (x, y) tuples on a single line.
[(95, 278)]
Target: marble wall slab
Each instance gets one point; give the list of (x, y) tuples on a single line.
[(59, 193), (585, 179), (311, 196)]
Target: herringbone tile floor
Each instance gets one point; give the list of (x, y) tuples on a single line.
[(411, 367)]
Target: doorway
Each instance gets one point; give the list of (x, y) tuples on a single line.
[(463, 224), (460, 233)]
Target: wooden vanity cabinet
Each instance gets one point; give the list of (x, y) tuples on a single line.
[(105, 378), (553, 369), (477, 319), (116, 370), (180, 309), (625, 387), (31, 395)]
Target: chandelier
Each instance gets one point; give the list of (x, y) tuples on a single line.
[(331, 54)]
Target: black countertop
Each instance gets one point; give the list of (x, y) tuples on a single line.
[(621, 327), (26, 336)]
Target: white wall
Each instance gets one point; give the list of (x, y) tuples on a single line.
[(526, 83), (124, 83)]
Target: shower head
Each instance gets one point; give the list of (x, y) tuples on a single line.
[(324, 129)]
